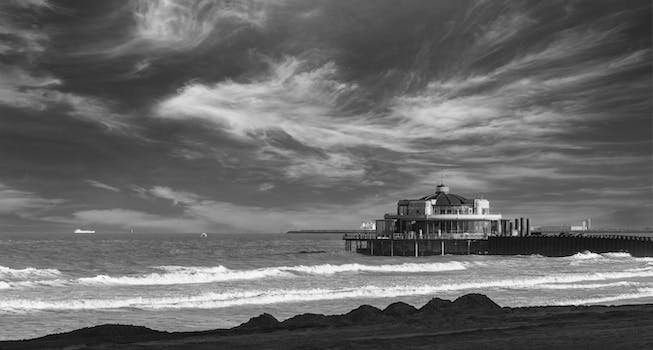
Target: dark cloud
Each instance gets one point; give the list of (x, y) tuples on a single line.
[(194, 116)]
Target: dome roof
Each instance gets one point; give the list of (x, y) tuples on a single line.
[(448, 199), (442, 197)]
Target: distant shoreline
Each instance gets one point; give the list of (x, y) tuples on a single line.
[(327, 231), (470, 322)]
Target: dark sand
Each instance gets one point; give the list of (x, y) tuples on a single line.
[(470, 322)]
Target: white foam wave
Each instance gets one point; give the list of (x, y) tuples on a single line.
[(187, 275), (200, 274), (636, 269), (563, 286), (328, 269), (641, 293), (9, 274), (32, 284), (273, 296), (617, 255), (586, 255)]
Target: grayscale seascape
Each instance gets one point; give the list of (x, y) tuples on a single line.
[(339, 174)]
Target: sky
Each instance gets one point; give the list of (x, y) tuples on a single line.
[(265, 116)]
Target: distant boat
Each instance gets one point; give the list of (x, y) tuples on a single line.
[(79, 230), (203, 234)]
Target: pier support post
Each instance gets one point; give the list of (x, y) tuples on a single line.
[(416, 249), (468, 246), (392, 247), (371, 247), (442, 247)]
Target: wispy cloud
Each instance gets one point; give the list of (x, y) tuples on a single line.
[(18, 35), (33, 92), (23, 203), (176, 25), (266, 186), (293, 113), (24, 85), (102, 185)]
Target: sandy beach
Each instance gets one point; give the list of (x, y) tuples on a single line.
[(472, 321)]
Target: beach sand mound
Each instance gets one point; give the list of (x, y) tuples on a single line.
[(436, 305), (308, 321), (262, 321), (475, 302), (363, 313), (108, 331), (399, 310)]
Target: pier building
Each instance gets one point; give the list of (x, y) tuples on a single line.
[(444, 223), (441, 214)]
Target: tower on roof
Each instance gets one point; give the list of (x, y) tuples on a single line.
[(442, 188)]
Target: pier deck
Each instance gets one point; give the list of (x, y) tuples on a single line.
[(412, 245)]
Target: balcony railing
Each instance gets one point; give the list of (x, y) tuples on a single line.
[(414, 235)]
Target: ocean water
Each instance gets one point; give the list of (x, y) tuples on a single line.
[(55, 283)]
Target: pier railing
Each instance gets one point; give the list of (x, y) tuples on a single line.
[(410, 235), (413, 236)]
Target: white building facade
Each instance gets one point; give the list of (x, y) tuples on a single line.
[(441, 214)]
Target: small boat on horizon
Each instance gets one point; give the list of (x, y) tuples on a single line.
[(203, 235), (79, 230)]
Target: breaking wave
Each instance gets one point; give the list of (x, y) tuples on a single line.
[(199, 274), (32, 284), (641, 293), (213, 300), (186, 275), (564, 286), (617, 255), (586, 255), (327, 269), (9, 274)]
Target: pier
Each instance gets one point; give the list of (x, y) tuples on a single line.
[(445, 223), (554, 246)]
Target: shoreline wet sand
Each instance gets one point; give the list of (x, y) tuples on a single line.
[(472, 321)]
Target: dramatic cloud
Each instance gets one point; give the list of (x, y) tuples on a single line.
[(162, 26), (26, 86), (320, 113)]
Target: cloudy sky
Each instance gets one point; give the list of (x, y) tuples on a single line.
[(261, 116)]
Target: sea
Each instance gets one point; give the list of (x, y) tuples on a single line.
[(53, 283)]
